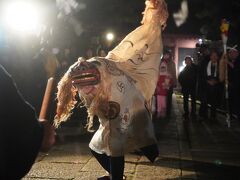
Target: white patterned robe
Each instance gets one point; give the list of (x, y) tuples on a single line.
[(129, 74)]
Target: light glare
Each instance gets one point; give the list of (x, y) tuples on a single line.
[(110, 36), (22, 17)]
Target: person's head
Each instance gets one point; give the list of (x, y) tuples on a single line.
[(163, 68), (204, 50), (89, 53), (233, 53), (214, 56), (167, 55), (188, 60), (101, 53)]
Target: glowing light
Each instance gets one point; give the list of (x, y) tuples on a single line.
[(22, 17), (182, 66), (110, 36)]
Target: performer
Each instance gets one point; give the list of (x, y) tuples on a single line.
[(21, 135), (118, 90)]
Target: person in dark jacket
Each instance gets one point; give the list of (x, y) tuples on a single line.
[(187, 79), (203, 60), (232, 60), (214, 87), (22, 135)]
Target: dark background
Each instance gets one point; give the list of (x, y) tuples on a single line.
[(22, 55)]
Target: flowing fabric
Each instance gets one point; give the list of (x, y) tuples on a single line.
[(126, 83), (139, 52)]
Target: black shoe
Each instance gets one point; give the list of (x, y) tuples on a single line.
[(193, 116), (202, 119), (104, 178), (108, 178), (203, 115), (213, 120), (151, 152), (185, 116)]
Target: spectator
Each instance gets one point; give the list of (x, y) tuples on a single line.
[(21, 135), (51, 64), (203, 59), (89, 53), (233, 62), (171, 68), (163, 85), (65, 60), (187, 79), (101, 53), (213, 87)]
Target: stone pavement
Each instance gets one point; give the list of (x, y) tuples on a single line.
[(214, 147), (72, 159)]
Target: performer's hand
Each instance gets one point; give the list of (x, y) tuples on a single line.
[(48, 135)]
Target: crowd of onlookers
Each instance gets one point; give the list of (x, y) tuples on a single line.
[(214, 81), (202, 79), (51, 64)]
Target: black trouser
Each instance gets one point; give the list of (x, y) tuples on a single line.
[(151, 152), (169, 101), (113, 165), (203, 111), (192, 93), (213, 98), (233, 101)]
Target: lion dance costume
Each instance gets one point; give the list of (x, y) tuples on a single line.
[(118, 89)]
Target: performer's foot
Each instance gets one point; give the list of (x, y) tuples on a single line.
[(106, 177), (151, 152)]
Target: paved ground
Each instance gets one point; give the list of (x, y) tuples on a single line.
[(215, 148), (188, 150)]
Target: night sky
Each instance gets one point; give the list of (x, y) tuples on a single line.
[(119, 16), (204, 16)]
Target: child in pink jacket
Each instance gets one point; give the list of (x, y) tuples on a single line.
[(164, 82)]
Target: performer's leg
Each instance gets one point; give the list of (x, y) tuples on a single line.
[(113, 165), (103, 159), (117, 167), (151, 152)]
